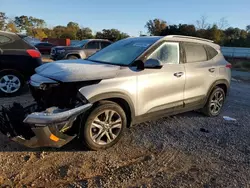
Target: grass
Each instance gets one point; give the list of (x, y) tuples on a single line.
[(240, 64)]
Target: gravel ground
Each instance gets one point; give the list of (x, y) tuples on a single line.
[(187, 150)]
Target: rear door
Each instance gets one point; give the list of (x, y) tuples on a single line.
[(201, 73), (104, 44), (3, 41), (161, 89), (92, 47)]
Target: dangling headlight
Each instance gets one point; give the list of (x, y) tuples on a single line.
[(46, 86)]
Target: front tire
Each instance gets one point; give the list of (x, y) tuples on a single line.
[(215, 102), (11, 82), (104, 126)]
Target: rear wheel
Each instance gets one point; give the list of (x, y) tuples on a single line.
[(11, 82), (215, 102), (104, 126), (72, 57)]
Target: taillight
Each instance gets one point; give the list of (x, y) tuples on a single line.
[(34, 53), (229, 65)]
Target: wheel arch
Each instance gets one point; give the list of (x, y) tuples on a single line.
[(13, 70), (222, 83), (73, 54), (121, 99)]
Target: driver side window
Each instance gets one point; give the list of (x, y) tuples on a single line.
[(167, 53)]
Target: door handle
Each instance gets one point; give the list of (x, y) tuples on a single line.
[(178, 74), (211, 70)]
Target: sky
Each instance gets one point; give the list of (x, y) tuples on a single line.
[(129, 16)]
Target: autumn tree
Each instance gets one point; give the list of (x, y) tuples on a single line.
[(156, 27), (11, 27)]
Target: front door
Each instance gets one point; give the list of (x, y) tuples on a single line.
[(91, 48), (161, 89)]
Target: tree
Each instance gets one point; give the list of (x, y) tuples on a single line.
[(22, 22), (223, 23), (29, 24), (11, 27), (248, 28), (39, 33), (202, 23), (58, 31), (111, 34), (156, 27), (3, 19), (215, 34), (84, 33), (68, 35)]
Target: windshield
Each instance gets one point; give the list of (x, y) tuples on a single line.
[(80, 44), (123, 52)]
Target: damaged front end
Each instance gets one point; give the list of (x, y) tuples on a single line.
[(39, 129), (48, 121)]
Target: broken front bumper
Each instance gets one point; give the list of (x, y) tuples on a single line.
[(49, 127)]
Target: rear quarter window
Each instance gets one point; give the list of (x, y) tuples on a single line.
[(195, 52), (211, 52)]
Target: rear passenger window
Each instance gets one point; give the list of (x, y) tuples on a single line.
[(104, 44), (93, 45), (195, 53), (211, 52), (4, 39)]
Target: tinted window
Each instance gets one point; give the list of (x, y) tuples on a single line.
[(211, 52), (195, 52), (93, 45), (4, 39), (104, 44), (168, 52)]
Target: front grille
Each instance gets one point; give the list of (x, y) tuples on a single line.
[(62, 96)]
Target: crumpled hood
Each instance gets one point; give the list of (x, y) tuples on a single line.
[(77, 70)]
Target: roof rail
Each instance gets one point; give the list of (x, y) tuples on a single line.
[(189, 37)]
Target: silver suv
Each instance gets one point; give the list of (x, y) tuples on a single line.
[(128, 82)]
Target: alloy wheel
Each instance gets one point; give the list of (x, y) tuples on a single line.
[(217, 101), (10, 84), (105, 127)]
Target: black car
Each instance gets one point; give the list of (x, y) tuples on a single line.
[(44, 47), (18, 60), (80, 50)]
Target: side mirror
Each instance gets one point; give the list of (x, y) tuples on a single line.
[(152, 64)]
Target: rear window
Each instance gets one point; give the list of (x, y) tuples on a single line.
[(4, 39), (195, 52)]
